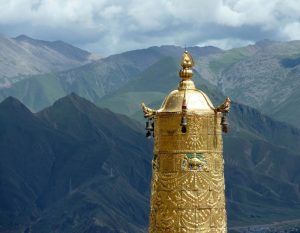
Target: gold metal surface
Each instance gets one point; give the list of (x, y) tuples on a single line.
[(187, 191), (148, 112), (196, 100), (225, 107)]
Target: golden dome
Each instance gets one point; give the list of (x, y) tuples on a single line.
[(194, 99)]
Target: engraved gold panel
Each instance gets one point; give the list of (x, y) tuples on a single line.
[(188, 219), (214, 125), (200, 136), (167, 218), (217, 164), (199, 124), (185, 230), (203, 216), (189, 199), (202, 180), (188, 176), (173, 181), (152, 222), (168, 199), (214, 143), (218, 218), (170, 163), (185, 197), (168, 230)]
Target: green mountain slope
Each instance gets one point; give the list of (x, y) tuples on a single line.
[(36, 92), (150, 87), (264, 76), (93, 80)]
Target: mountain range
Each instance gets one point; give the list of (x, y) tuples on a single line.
[(264, 76), (23, 56), (74, 167), (93, 80)]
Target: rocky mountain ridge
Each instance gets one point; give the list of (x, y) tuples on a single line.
[(94, 80), (64, 172), (264, 75), (23, 56)]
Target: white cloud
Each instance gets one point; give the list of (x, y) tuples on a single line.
[(110, 26), (227, 15), (292, 31)]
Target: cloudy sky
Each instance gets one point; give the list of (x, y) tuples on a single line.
[(112, 26)]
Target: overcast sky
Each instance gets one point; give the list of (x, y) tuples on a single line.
[(113, 26)]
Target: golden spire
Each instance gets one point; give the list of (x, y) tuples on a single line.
[(187, 193), (186, 73), (187, 63)]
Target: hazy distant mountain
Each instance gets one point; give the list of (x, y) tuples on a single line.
[(265, 76), (93, 80), (23, 56), (151, 87), (76, 168)]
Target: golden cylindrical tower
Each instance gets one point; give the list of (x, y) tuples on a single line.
[(187, 191)]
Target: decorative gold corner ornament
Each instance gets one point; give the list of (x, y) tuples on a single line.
[(187, 190), (225, 107), (148, 112)]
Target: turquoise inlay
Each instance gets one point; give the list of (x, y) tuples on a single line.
[(199, 156)]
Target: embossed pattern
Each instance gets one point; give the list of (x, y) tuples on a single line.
[(188, 175)]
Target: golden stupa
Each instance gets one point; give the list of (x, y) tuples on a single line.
[(187, 191)]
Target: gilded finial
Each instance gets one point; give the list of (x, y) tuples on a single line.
[(187, 63), (225, 107), (187, 60), (186, 73)]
